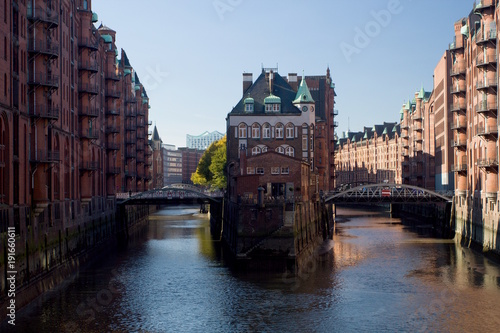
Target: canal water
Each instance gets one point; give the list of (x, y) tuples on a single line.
[(376, 274)]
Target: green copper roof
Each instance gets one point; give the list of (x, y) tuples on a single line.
[(354, 138), (272, 99), (94, 17), (408, 106), (107, 38), (249, 100), (394, 129), (137, 87), (385, 131), (421, 93), (303, 93), (465, 31), (365, 136), (127, 71)]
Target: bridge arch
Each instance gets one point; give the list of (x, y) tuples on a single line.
[(172, 194), (388, 193)]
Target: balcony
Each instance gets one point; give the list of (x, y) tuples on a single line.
[(335, 112), (44, 112), (113, 171), (89, 134), (335, 124), (130, 127), (483, 4), (45, 156), (113, 146), (130, 174), (43, 47), (88, 43), (89, 166), (485, 84), (112, 112), (113, 93), (88, 112), (455, 45), (461, 125), (487, 163), (90, 66), (457, 107), (112, 130), (150, 123), (458, 69), (487, 130), (112, 76), (483, 60), (459, 167), (483, 38), (485, 106), (44, 79), (88, 88), (459, 143), (458, 88), (47, 16)]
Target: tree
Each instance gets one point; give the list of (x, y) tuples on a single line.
[(210, 170)]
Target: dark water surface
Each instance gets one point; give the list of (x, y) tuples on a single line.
[(375, 275)]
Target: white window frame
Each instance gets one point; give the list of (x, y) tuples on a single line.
[(290, 131), (266, 131), (250, 171), (242, 131), (256, 131), (289, 151), (279, 131), (275, 170), (280, 150), (256, 150)]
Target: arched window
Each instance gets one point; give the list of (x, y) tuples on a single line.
[(256, 131), (279, 131), (280, 150), (266, 131), (289, 151), (256, 150), (242, 131), (290, 131)]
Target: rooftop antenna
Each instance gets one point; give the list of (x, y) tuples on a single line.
[(348, 130)]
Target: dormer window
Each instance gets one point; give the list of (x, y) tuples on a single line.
[(249, 102), (272, 103)]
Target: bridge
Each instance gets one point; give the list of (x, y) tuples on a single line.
[(171, 195), (387, 193)]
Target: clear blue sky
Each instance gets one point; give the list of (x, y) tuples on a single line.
[(191, 54)]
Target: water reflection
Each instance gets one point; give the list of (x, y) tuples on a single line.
[(376, 274)]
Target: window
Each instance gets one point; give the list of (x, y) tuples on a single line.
[(289, 151), (263, 148), (269, 107), (290, 131), (279, 131), (248, 107), (304, 142), (256, 150), (280, 150), (250, 171), (260, 171), (242, 131), (256, 131), (285, 170), (275, 170), (266, 131), (276, 107)]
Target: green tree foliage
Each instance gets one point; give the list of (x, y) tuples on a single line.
[(210, 170)]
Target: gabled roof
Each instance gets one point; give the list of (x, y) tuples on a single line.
[(259, 90), (156, 136), (303, 94), (125, 61)]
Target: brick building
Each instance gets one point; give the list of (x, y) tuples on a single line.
[(157, 159), (280, 116), (190, 159), (370, 156), (73, 123), (474, 79)]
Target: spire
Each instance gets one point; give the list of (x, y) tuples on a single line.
[(303, 93)]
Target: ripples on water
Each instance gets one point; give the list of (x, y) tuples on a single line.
[(375, 275)]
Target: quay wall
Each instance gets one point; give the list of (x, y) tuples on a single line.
[(50, 250)]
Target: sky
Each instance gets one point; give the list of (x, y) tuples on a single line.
[(190, 54)]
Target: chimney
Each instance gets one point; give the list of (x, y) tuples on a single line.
[(247, 81), (292, 81)]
